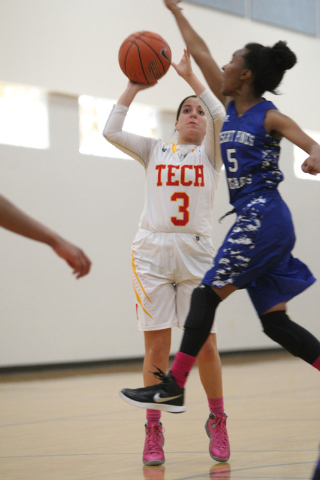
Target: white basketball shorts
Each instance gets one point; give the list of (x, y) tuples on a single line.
[(166, 269)]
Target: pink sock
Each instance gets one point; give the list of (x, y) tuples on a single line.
[(182, 364), (153, 415), (216, 405), (316, 364)]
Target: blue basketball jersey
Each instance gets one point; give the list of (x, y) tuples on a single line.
[(249, 153), (257, 251)]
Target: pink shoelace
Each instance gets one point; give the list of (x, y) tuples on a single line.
[(153, 432), (219, 424)]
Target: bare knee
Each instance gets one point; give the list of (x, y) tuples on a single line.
[(157, 355), (209, 351), (157, 346)]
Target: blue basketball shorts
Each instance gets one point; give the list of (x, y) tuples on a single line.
[(256, 254)]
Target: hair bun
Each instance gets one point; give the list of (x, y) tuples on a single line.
[(268, 65), (283, 58)]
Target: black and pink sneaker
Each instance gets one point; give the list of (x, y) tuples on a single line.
[(166, 396)]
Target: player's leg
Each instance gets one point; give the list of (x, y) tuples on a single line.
[(163, 302), (295, 339), (208, 358), (269, 295), (209, 366), (199, 322), (157, 349), (284, 278), (316, 473), (169, 395), (156, 315)]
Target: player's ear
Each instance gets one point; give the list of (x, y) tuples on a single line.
[(176, 125), (246, 74)]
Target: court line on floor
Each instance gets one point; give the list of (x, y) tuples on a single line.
[(106, 454), (246, 469)]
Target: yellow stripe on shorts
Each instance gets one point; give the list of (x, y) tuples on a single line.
[(140, 302), (136, 275)]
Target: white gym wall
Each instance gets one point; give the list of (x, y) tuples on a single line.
[(69, 48)]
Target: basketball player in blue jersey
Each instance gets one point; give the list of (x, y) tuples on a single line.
[(256, 253)]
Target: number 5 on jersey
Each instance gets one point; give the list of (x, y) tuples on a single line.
[(232, 159), (181, 222)]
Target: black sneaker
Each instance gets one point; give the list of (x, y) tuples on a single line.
[(166, 396)]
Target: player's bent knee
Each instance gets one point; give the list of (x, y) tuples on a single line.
[(209, 350), (204, 302), (157, 356), (294, 338), (276, 325)]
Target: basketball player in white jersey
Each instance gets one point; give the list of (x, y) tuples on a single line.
[(173, 249)]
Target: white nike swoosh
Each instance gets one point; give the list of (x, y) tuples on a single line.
[(158, 399)]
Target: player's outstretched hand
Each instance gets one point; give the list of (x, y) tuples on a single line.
[(137, 87), (184, 68), (17, 221), (131, 91), (172, 4), (74, 256), (312, 164)]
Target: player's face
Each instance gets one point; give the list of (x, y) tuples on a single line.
[(232, 76), (191, 123)]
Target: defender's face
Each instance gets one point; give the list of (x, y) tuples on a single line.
[(232, 72)]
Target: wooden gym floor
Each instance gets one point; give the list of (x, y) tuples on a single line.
[(72, 424)]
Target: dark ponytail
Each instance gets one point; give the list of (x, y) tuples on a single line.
[(268, 65)]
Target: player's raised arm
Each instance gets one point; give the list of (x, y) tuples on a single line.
[(199, 50), (136, 146), (130, 92), (213, 109), (15, 220), (286, 127), (184, 69)]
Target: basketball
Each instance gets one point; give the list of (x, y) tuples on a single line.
[(144, 57)]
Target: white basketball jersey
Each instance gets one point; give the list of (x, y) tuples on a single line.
[(180, 179), (180, 185)]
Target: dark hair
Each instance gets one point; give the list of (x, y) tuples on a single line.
[(268, 65), (180, 106)]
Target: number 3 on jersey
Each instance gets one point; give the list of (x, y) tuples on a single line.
[(232, 159), (181, 222)]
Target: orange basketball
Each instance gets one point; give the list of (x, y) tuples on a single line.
[(144, 57)]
